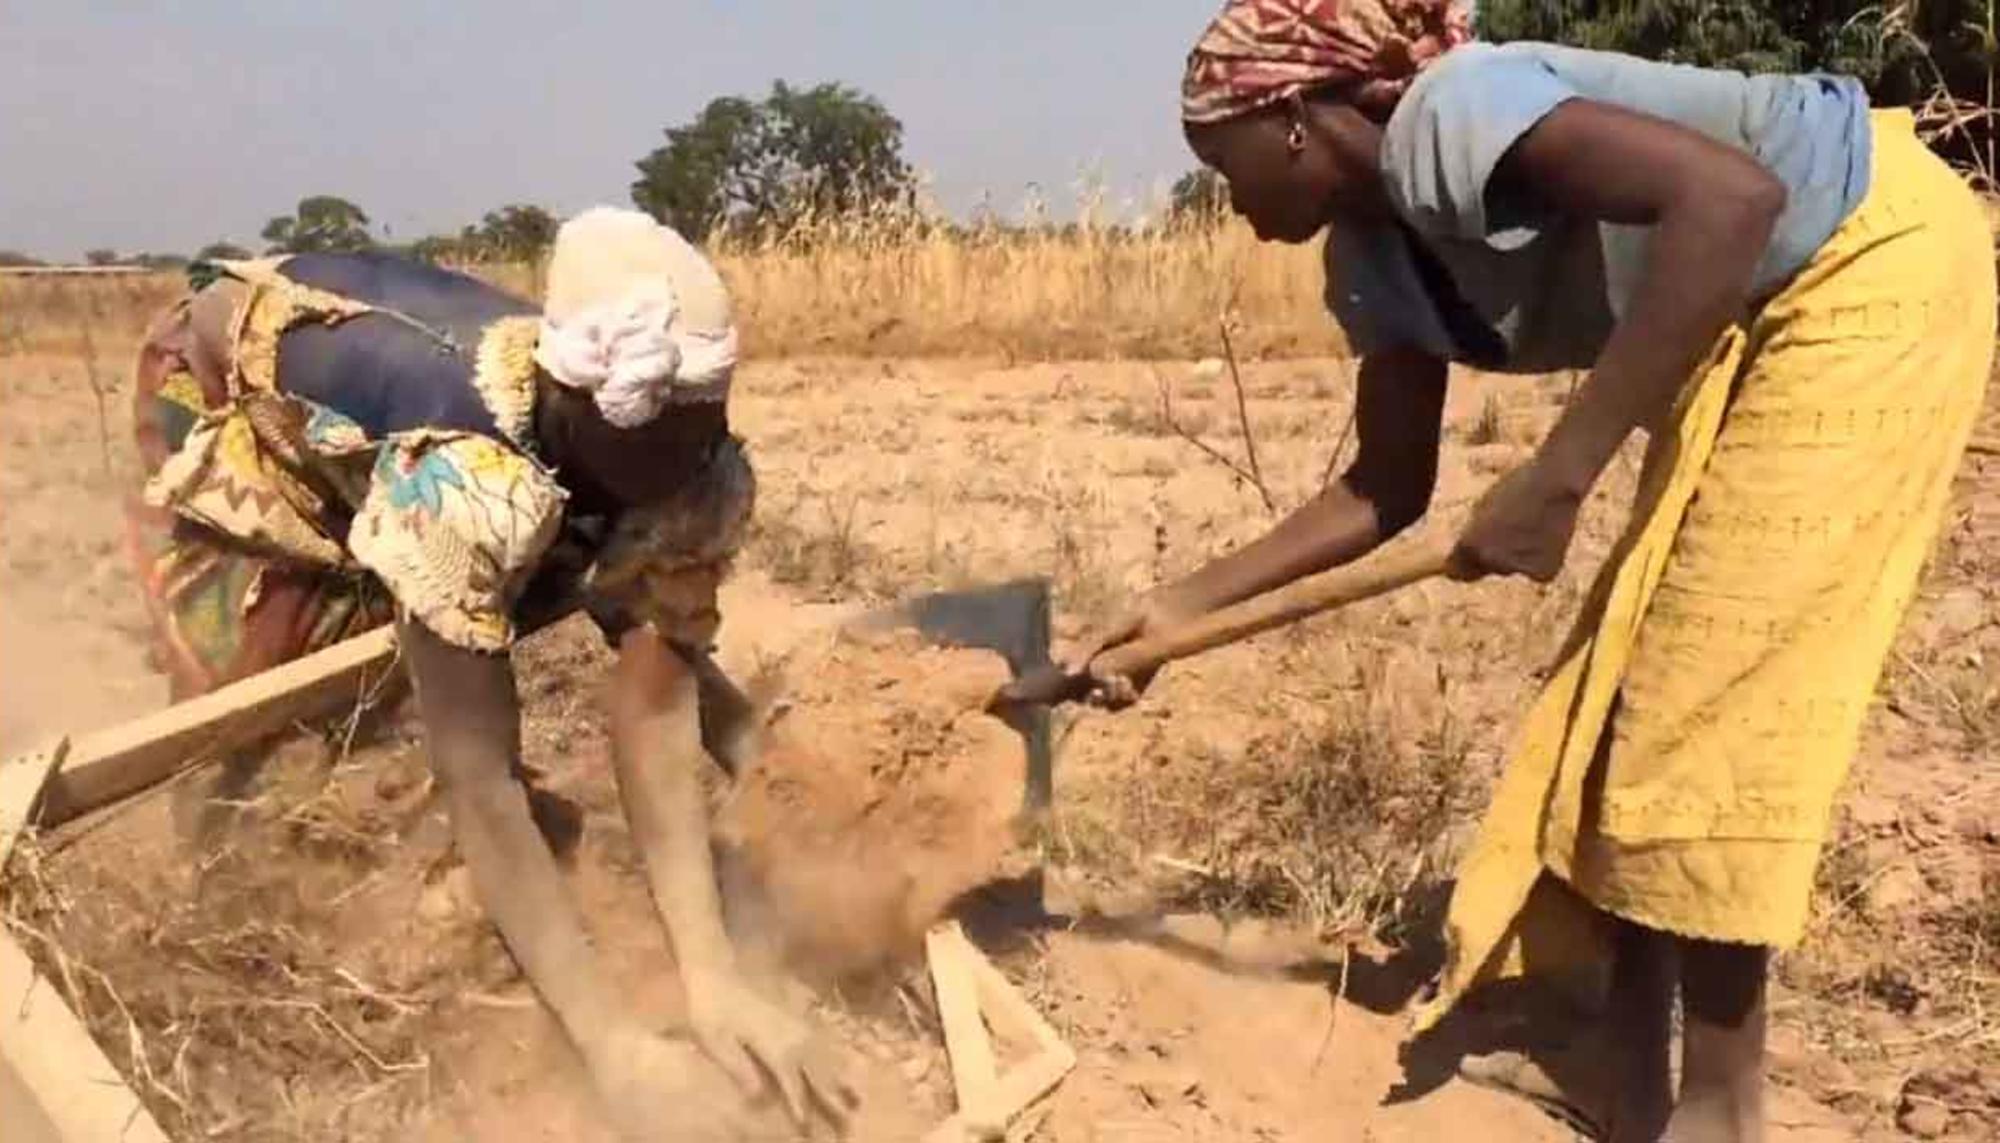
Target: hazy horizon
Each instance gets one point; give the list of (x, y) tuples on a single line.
[(161, 131)]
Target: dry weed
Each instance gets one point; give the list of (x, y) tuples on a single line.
[(205, 990), (1347, 821)]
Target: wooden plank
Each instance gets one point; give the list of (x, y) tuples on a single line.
[(107, 765), (971, 1053), (1004, 1004), (22, 778), (64, 1088), (962, 973)]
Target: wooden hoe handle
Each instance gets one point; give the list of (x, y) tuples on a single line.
[(1343, 585), (1339, 587)]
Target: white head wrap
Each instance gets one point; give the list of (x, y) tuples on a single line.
[(635, 316)]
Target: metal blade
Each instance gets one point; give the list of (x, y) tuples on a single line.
[(1009, 618)]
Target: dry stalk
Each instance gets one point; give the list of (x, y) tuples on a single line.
[(1248, 471), (92, 364), (1346, 434), (1243, 414)]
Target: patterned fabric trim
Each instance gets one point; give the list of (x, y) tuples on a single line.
[(504, 375), (232, 474), (454, 524), (273, 305)]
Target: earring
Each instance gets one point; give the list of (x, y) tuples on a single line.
[(1295, 139)]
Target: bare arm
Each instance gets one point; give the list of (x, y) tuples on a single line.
[(1398, 405), (656, 751), (472, 724), (1712, 210)]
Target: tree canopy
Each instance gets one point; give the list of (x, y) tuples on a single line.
[(822, 151), (1902, 52), (321, 224)]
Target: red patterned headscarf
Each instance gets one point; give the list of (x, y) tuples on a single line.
[(1261, 52)]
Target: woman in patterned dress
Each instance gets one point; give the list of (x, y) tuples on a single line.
[(335, 441)]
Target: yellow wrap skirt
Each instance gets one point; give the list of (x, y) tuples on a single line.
[(1680, 766)]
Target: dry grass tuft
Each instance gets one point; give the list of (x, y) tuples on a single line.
[(1340, 823), (198, 983)]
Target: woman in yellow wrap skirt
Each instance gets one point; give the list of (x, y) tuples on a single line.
[(1791, 297)]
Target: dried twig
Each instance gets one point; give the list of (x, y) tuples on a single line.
[(92, 363), (1340, 443), (1984, 447), (1243, 414), (1250, 471), (1333, 1015)]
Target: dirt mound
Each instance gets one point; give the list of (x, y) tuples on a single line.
[(883, 793)]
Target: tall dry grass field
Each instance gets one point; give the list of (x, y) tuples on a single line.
[(911, 288)]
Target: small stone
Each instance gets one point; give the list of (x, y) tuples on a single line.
[(1925, 1120)]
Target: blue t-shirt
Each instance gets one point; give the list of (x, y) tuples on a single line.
[(1529, 291)]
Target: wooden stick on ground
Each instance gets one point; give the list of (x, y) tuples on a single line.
[(107, 765)]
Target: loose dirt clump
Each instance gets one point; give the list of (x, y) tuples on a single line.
[(884, 792)]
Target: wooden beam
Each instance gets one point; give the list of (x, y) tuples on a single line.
[(107, 765), (56, 1086), (22, 779)]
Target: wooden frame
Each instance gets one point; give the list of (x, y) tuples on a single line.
[(970, 994)]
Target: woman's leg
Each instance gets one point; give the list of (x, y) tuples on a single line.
[(1640, 1024), (1722, 1044)]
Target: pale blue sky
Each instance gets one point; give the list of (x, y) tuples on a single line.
[(163, 126)]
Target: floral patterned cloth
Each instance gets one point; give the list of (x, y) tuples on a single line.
[(452, 523)]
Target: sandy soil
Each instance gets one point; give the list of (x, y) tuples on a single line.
[(324, 972)]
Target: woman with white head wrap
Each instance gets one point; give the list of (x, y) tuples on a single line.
[(333, 440)]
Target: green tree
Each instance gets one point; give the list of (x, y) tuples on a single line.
[(16, 259), (221, 251), (516, 233), (826, 151), (101, 257), (322, 223), (435, 248), (1901, 51)]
